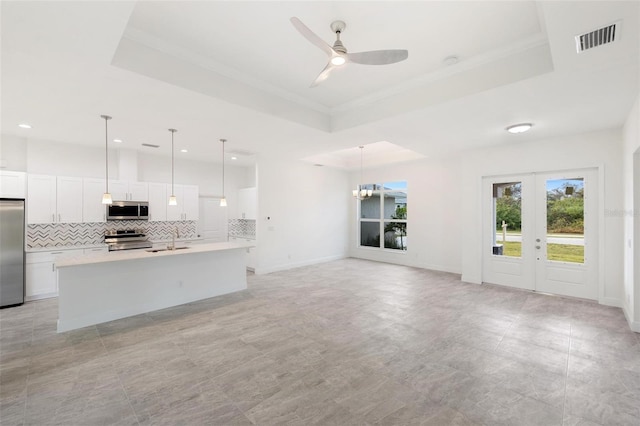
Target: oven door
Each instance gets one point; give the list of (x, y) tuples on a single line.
[(123, 210)]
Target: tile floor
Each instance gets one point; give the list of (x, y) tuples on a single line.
[(349, 342)]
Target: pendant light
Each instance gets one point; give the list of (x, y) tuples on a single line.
[(360, 193), (106, 197), (172, 199), (223, 200)]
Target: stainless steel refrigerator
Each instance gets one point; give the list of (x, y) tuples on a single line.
[(12, 257)]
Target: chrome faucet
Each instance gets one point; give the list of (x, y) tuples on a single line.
[(175, 233)]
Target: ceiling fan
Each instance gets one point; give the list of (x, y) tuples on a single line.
[(338, 53)]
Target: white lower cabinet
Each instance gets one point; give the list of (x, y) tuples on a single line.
[(41, 278), (251, 253)]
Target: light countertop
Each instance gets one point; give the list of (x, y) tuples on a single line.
[(124, 255)]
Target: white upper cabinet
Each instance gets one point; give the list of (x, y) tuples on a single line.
[(54, 199), (41, 199), (247, 203), (69, 199), (12, 184), (138, 191), (128, 191), (188, 203), (92, 208), (191, 207), (158, 200)]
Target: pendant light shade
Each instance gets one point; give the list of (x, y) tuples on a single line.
[(223, 200), (360, 193), (173, 201), (106, 197)]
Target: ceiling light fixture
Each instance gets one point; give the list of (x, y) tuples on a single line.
[(24, 125), (360, 193), (223, 200), (234, 158), (106, 197), (173, 201), (338, 60), (117, 140), (183, 150), (519, 128)]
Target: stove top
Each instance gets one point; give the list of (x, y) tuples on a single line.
[(126, 239)]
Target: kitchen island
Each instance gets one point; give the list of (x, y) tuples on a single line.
[(103, 287)]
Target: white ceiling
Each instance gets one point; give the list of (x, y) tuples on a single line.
[(239, 70)]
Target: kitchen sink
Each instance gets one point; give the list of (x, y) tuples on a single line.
[(165, 249)]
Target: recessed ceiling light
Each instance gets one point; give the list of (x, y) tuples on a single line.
[(519, 128), (117, 140), (24, 125), (183, 150), (234, 158)]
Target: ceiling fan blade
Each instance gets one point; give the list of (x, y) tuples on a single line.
[(323, 75), (311, 36), (378, 57)]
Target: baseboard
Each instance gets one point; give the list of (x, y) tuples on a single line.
[(471, 279), (610, 301), (633, 325), (40, 297), (292, 265)]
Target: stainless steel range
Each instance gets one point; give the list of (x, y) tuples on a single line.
[(126, 239)]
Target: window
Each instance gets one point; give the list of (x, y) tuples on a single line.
[(384, 214)]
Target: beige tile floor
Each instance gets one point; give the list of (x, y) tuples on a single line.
[(349, 342)]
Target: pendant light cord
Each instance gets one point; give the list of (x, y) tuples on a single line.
[(223, 141), (172, 166), (106, 149)]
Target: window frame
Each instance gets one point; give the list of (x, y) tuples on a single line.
[(380, 190)]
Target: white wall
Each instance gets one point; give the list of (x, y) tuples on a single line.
[(208, 176), (597, 149), (307, 207), (63, 159), (13, 153), (631, 215), (433, 214)]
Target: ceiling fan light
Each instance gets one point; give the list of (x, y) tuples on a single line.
[(106, 198), (338, 60)]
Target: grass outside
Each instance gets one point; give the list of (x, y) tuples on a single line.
[(557, 252)]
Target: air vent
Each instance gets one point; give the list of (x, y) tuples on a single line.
[(151, 145), (604, 35)]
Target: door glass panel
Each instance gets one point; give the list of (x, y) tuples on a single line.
[(565, 220), (507, 219)]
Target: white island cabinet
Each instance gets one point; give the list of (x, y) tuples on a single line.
[(108, 286)]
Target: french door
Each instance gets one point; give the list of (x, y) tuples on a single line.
[(540, 232)]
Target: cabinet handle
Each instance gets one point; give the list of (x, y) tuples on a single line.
[(59, 218), (53, 217), (53, 267), (104, 217), (57, 252)]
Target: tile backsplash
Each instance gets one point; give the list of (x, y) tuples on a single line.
[(78, 234), (242, 228)]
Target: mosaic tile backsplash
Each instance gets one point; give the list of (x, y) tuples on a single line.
[(78, 234), (242, 228)]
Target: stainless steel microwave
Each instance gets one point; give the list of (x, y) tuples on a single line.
[(128, 210)]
